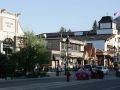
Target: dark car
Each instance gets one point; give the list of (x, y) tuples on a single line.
[(88, 66)]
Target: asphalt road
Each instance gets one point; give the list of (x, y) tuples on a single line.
[(24, 82), (99, 85), (110, 82)]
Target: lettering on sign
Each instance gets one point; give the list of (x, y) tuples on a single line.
[(8, 24)]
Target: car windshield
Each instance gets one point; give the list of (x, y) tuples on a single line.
[(87, 66)]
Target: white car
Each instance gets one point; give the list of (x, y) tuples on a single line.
[(102, 68)]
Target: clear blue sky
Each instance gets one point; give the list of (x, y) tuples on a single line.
[(42, 16)]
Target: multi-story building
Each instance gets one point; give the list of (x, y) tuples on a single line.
[(11, 34), (105, 41), (59, 47)]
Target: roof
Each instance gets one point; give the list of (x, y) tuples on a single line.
[(65, 34), (58, 34), (95, 37), (106, 19)]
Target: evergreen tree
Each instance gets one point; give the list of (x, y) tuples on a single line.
[(69, 30), (62, 29), (94, 28)]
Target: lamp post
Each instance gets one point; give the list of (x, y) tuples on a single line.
[(66, 64), (67, 73), (114, 52)]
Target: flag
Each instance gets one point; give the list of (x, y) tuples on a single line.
[(117, 13)]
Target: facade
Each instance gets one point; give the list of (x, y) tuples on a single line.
[(11, 34), (105, 41), (59, 54), (90, 54)]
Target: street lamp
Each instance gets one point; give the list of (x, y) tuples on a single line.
[(66, 64), (114, 48), (67, 73)]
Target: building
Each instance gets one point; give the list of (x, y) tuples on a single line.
[(59, 54), (105, 41), (11, 34)]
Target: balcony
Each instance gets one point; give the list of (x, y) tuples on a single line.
[(71, 53)]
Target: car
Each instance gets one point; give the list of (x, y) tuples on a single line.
[(89, 67), (103, 68)]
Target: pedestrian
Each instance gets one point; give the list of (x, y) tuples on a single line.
[(68, 76)]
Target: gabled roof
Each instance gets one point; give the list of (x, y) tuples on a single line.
[(106, 19)]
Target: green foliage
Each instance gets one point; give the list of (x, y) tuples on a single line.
[(94, 28), (62, 29), (3, 59), (7, 65), (34, 53), (69, 30), (24, 61), (3, 63)]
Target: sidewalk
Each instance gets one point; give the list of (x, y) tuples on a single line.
[(111, 75), (61, 74)]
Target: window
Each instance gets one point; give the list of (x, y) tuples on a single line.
[(75, 47), (62, 45)]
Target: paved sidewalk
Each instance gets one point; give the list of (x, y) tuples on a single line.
[(61, 75), (111, 75)]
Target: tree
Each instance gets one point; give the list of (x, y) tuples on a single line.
[(25, 60), (62, 29), (69, 30), (3, 65), (34, 53), (94, 28)]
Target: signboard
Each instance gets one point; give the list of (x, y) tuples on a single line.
[(8, 25)]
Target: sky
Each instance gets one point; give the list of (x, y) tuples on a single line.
[(46, 16)]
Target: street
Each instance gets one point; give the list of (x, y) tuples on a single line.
[(94, 85), (110, 82)]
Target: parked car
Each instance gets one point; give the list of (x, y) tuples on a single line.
[(89, 67), (103, 68)]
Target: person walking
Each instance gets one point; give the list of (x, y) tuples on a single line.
[(68, 76)]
